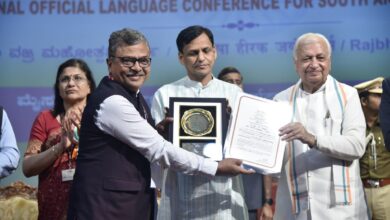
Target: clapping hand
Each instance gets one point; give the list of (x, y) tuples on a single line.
[(71, 122)]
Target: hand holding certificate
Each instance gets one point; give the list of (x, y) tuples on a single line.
[(253, 134)]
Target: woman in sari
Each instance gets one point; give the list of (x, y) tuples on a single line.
[(52, 147)]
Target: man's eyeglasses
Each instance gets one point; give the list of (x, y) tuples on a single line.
[(76, 79), (130, 61)]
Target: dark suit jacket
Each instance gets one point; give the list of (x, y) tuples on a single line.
[(385, 112), (112, 181)]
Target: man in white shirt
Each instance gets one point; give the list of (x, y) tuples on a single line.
[(118, 141), (184, 196), (320, 177), (9, 152)]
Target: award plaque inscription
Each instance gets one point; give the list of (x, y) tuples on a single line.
[(199, 125)]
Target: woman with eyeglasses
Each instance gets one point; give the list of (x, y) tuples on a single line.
[(53, 144)]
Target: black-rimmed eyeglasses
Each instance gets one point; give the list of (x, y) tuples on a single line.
[(130, 61)]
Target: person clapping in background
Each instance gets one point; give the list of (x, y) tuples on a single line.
[(52, 147)]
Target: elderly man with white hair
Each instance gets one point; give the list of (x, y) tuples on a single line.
[(320, 177)]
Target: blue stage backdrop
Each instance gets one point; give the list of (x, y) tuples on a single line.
[(256, 36)]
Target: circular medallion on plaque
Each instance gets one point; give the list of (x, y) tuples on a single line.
[(197, 122)]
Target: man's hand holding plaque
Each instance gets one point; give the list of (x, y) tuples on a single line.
[(199, 125)]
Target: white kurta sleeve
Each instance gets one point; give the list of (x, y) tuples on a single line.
[(119, 118), (349, 144)]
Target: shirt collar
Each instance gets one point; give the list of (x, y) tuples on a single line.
[(193, 83), (303, 92)]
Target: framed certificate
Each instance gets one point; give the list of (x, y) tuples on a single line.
[(199, 125), (254, 133)]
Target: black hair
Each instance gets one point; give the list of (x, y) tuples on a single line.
[(228, 70), (126, 36), (364, 94), (58, 101), (190, 33)]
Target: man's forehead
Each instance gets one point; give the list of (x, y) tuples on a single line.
[(199, 43), (197, 47), (141, 47), (232, 75), (314, 48)]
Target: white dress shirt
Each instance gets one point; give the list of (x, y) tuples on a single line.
[(119, 118)]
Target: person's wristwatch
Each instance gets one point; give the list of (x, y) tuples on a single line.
[(269, 201)]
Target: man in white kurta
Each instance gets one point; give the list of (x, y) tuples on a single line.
[(193, 197), (320, 177)]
